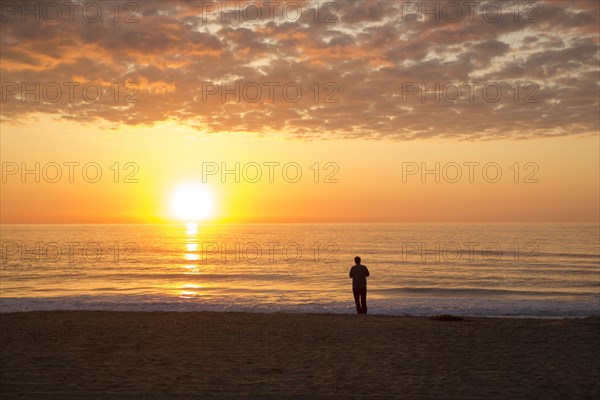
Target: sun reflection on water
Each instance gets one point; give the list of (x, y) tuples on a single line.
[(191, 246), (191, 290), (191, 228)]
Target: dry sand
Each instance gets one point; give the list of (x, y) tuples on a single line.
[(72, 354)]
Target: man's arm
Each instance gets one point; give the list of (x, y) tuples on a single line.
[(367, 271), (351, 272)]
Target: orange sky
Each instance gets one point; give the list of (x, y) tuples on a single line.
[(355, 116), (370, 185)]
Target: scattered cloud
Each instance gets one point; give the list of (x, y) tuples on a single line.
[(343, 69)]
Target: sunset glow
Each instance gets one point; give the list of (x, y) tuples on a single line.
[(192, 202), (199, 196), (357, 111)]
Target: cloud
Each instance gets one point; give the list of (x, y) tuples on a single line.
[(395, 70)]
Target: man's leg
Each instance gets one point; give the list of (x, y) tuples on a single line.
[(356, 293), (364, 300)]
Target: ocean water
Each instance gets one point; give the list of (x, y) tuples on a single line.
[(523, 270)]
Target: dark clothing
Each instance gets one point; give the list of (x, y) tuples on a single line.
[(360, 298), (359, 274)]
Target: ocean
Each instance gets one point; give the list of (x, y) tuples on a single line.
[(519, 270)]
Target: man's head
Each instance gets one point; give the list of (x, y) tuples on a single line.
[(357, 260)]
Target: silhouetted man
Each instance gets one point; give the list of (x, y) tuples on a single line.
[(359, 274)]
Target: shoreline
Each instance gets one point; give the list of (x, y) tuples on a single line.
[(370, 314), (183, 308), (167, 354)]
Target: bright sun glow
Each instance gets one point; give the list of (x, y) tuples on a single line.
[(192, 202)]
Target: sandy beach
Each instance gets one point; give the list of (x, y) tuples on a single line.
[(98, 354)]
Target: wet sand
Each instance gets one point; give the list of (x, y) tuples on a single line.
[(98, 354)]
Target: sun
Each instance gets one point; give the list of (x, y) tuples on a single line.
[(192, 202)]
